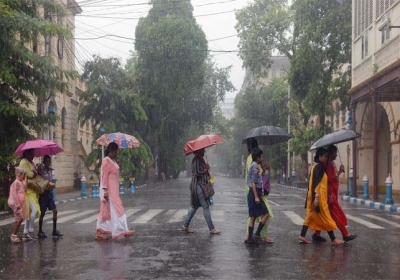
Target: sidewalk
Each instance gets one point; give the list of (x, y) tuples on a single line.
[(369, 203)]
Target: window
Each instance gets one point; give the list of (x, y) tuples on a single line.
[(364, 45), (47, 45), (385, 33)]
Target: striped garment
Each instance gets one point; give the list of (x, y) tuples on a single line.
[(199, 177)]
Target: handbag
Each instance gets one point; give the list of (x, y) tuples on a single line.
[(38, 184), (208, 190), (266, 184)]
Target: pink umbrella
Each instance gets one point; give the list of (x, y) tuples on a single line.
[(41, 147)]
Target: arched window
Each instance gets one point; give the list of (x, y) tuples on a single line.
[(63, 116)]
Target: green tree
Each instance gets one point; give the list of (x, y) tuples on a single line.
[(172, 79), (110, 102), (316, 37), (26, 77)]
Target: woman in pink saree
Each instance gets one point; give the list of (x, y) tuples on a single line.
[(112, 218)]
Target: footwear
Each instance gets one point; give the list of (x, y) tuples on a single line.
[(32, 235), (15, 239), (251, 242), (41, 235), (257, 239), (187, 229), (57, 234), (350, 237), (215, 231), (304, 240), (318, 238), (130, 233), (100, 236), (337, 242), (268, 240), (27, 237)]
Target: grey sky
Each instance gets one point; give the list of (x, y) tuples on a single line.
[(219, 22)]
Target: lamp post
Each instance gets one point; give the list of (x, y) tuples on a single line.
[(102, 131)]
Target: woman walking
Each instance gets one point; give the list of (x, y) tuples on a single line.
[(112, 218), (200, 177), (317, 210)]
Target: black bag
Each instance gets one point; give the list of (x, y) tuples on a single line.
[(208, 190)]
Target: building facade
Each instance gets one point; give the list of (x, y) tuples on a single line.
[(75, 139), (375, 93)]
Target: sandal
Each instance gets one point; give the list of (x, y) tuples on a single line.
[(268, 240), (215, 231), (304, 240), (337, 242), (130, 233), (15, 238), (187, 229), (100, 236)]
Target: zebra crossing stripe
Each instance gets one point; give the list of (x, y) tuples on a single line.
[(49, 216), (71, 217), (93, 218), (150, 214), (294, 217), (177, 215), (382, 220), (363, 222)]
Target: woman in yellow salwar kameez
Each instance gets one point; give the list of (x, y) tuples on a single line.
[(317, 209)]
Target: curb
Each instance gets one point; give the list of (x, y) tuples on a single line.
[(371, 204), (363, 202), (89, 196)]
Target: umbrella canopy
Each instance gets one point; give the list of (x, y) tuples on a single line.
[(336, 137), (202, 142), (268, 135), (41, 147), (123, 140)]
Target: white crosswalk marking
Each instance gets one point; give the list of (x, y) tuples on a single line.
[(382, 220), (47, 217), (71, 217), (150, 214), (128, 213), (294, 217), (177, 215), (363, 222)]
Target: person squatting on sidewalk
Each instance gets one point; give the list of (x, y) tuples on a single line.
[(257, 207), (17, 202), (46, 199)]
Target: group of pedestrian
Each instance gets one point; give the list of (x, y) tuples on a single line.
[(323, 211), (27, 203)]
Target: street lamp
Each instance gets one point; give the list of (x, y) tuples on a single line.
[(102, 131), (51, 110)]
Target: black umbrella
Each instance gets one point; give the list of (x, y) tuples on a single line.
[(268, 135), (336, 137)]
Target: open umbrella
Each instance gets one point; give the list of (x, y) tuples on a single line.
[(201, 142), (336, 137), (268, 135), (41, 147), (123, 140)]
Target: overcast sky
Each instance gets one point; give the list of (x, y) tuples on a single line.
[(120, 17)]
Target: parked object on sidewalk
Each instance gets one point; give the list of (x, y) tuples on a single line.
[(268, 135), (201, 142), (41, 148), (336, 137), (123, 140)]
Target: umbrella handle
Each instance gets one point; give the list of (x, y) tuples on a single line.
[(340, 159)]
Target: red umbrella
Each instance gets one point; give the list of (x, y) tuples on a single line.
[(202, 142), (41, 147)]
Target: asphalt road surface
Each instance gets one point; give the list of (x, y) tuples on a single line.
[(160, 250)]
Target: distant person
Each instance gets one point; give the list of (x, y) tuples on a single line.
[(32, 196), (46, 199), (256, 205), (200, 177), (17, 202), (112, 217), (317, 210)]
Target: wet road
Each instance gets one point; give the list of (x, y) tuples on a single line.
[(160, 250)]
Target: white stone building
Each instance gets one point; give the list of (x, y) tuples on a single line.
[(375, 92)]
